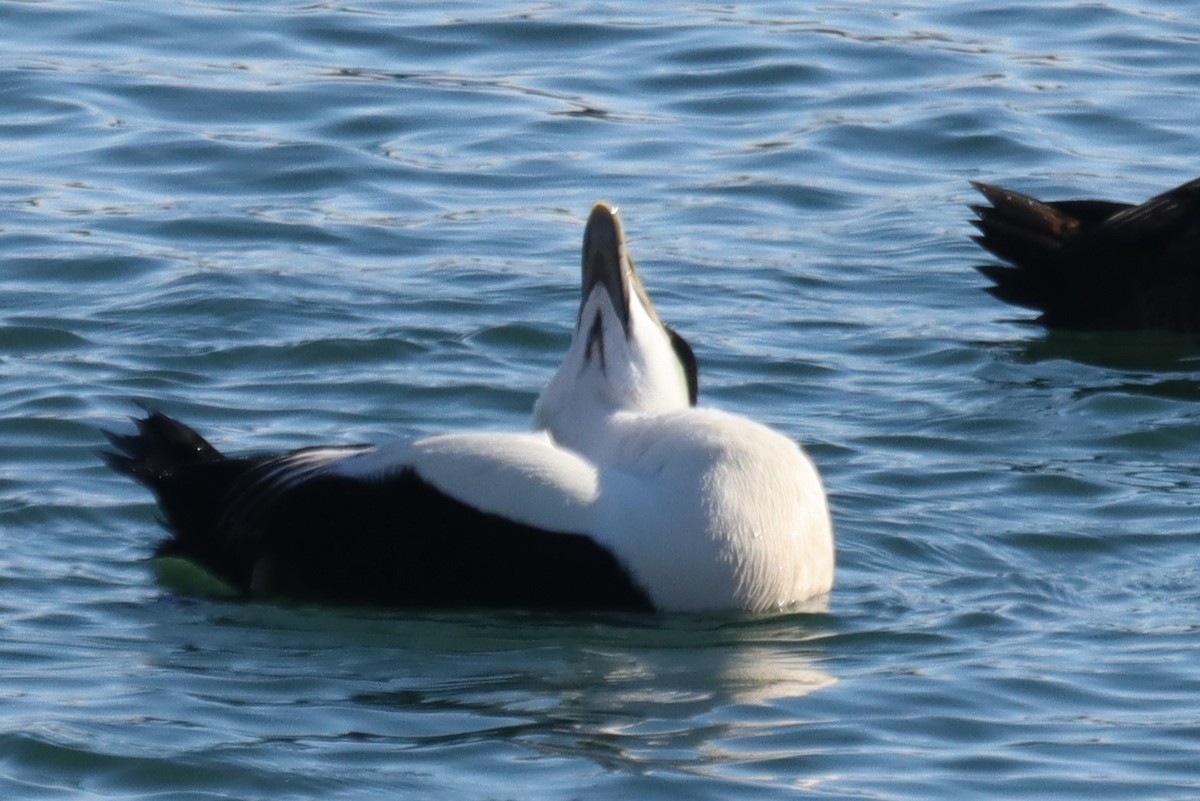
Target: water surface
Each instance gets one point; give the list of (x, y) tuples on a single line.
[(293, 224)]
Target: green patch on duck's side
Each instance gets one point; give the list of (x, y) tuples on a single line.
[(185, 576)]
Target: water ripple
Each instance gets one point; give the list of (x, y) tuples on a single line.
[(295, 224)]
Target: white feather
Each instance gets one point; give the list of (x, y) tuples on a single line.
[(714, 511), (524, 477), (706, 509)]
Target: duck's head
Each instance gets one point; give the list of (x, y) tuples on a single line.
[(622, 356)]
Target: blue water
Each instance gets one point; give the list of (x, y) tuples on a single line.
[(293, 224)]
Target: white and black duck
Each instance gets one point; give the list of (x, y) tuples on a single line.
[(1096, 264), (624, 495)]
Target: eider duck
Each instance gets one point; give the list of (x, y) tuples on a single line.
[(1096, 264), (623, 496)]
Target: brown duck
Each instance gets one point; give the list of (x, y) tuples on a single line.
[(1096, 264)]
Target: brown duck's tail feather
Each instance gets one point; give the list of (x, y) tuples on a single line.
[(1032, 237), (1021, 229)]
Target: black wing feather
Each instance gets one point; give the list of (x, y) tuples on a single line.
[(284, 526)]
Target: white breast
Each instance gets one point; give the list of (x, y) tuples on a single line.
[(714, 511)]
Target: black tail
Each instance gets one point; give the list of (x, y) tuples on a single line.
[(161, 448), (190, 479)]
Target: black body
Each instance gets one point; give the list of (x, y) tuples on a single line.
[(270, 527)]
